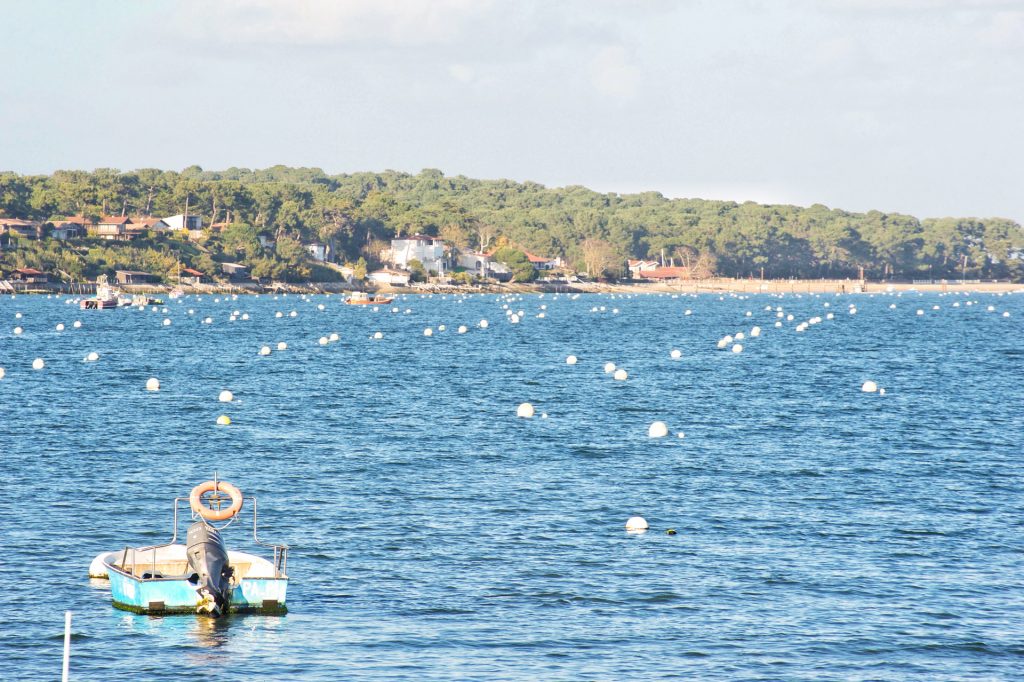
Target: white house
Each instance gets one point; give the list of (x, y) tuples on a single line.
[(427, 250), (481, 265), (319, 252), (389, 276), (638, 266), (179, 222)]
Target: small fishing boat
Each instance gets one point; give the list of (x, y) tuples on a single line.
[(106, 296), (200, 576), (142, 300), (363, 298)]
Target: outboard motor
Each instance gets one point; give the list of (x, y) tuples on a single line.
[(208, 563)]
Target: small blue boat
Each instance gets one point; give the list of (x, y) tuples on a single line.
[(201, 576)]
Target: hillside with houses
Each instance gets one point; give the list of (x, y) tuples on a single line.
[(302, 225)]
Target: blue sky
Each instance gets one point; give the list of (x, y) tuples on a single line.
[(901, 105)]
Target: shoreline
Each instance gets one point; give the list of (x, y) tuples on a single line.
[(709, 286)]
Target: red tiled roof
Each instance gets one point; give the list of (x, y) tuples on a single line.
[(529, 256), (30, 271), (190, 271)]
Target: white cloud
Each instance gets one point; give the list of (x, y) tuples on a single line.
[(330, 22), (612, 73), (461, 72)]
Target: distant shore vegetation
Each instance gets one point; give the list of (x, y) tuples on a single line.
[(266, 220)]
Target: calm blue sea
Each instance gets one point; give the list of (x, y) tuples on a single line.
[(823, 533)]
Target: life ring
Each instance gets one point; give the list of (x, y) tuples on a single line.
[(196, 502)]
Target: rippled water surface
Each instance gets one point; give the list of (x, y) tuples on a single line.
[(823, 533)]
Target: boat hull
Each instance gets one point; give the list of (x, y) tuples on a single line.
[(97, 304), (177, 595)]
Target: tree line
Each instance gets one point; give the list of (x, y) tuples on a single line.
[(357, 214)]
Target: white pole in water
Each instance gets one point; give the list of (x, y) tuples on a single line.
[(67, 645)]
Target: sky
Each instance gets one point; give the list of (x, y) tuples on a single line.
[(913, 106)]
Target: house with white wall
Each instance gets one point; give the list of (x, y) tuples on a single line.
[(427, 250), (183, 222)]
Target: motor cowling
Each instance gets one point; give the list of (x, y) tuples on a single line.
[(208, 564)]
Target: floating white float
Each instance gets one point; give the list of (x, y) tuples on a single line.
[(282, 346), (265, 350), (737, 348), (223, 420), (609, 367), (869, 386), (620, 375), (525, 410), (571, 360), (676, 354), (636, 524), (657, 430), (428, 332), (92, 357), (153, 384)]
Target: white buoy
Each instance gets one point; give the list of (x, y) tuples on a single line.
[(226, 396), (92, 357), (462, 329), (620, 375), (334, 337), (483, 324), (676, 354), (513, 318), (428, 332), (636, 524), (18, 330), (609, 367), (571, 360), (282, 346), (17, 316), (920, 312), (881, 391), (441, 327), (740, 336), (378, 335), (265, 350), (778, 324), (869, 386), (3, 372), (657, 430), (38, 363), (1006, 314), (525, 410), (737, 348), (76, 324), (688, 312), (60, 326), (153, 384), (167, 322), (323, 341), (278, 314), (223, 420), (754, 332)]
